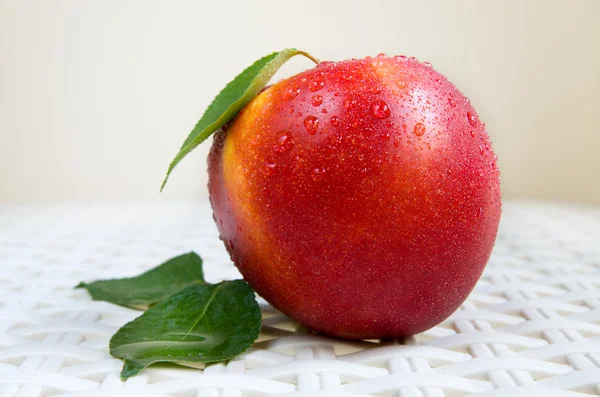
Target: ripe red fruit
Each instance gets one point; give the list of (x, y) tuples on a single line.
[(361, 198)]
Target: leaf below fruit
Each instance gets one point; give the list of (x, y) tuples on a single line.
[(151, 287), (232, 99), (201, 323)]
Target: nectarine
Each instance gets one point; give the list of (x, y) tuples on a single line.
[(361, 198)]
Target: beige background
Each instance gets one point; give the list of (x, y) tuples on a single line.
[(97, 96)]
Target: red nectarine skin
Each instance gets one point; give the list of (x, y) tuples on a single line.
[(361, 198)]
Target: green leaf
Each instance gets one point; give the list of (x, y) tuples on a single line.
[(151, 287), (233, 98), (201, 323)]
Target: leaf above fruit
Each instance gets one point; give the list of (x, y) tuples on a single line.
[(233, 98)]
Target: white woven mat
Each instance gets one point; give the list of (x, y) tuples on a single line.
[(530, 328)]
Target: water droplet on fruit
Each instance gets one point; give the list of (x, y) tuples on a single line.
[(419, 129), (350, 102), (317, 174), (481, 149), (324, 111), (479, 212), (428, 64), (311, 123), (325, 63), (452, 102), (291, 93), (292, 109), (284, 143), (472, 133), (335, 121), (472, 119), (316, 85), (316, 100), (270, 168), (401, 57), (401, 84), (389, 124), (381, 55), (380, 109)]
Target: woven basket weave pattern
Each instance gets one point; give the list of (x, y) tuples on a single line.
[(531, 327)]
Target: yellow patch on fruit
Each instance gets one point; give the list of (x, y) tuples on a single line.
[(393, 80), (242, 158)]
